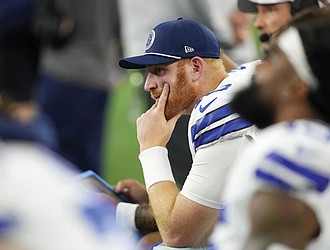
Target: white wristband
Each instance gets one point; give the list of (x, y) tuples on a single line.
[(156, 166), (125, 215)]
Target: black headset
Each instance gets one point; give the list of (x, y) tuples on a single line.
[(299, 5)]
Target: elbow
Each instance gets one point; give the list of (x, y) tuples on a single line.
[(182, 239), (178, 240), (193, 235)]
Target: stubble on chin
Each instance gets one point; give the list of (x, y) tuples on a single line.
[(180, 97), (170, 110)]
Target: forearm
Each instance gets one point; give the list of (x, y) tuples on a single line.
[(136, 217), (160, 185), (162, 199), (181, 222), (144, 219)]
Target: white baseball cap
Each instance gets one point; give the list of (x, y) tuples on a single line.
[(251, 5)]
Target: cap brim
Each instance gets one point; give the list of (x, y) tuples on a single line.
[(247, 6), (140, 62), (251, 5)]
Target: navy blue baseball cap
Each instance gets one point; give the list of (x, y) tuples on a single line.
[(173, 40)]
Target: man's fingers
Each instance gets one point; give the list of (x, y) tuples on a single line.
[(122, 186)]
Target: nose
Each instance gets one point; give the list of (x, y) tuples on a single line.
[(259, 23), (150, 83)]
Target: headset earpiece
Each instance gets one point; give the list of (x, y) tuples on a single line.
[(299, 5)]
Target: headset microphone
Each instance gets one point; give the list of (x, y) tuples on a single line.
[(265, 37), (297, 6)]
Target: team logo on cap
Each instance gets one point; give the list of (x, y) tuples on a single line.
[(150, 40)]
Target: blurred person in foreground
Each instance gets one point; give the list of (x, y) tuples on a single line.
[(186, 76), (277, 195), (42, 206)]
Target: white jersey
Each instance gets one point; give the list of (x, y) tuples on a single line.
[(216, 137), (292, 156), (42, 207)]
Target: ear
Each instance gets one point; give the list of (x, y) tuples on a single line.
[(299, 90), (198, 67), (295, 91)]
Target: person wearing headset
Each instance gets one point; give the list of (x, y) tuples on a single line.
[(272, 14)]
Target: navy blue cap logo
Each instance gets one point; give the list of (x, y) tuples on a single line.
[(150, 40)]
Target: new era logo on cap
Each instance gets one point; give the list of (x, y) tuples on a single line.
[(188, 49), (173, 40)]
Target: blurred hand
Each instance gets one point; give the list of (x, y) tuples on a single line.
[(132, 190)]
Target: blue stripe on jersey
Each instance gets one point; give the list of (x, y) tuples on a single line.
[(155, 245), (318, 181), (210, 118), (99, 213), (223, 217), (273, 180), (7, 223), (217, 132)]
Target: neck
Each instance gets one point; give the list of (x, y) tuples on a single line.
[(297, 112), (213, 82)]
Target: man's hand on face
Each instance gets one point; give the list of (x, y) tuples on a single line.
[(152, 127)]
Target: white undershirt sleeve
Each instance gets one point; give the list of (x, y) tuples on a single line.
[(210, 168)]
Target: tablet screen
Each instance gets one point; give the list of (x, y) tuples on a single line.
[(100, 185)]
